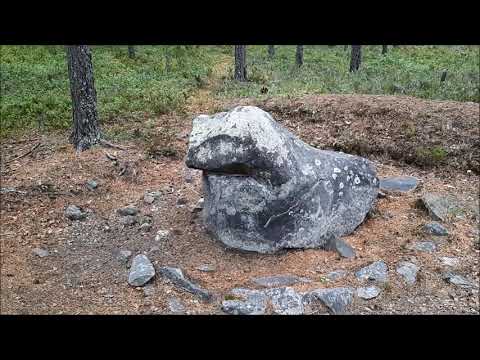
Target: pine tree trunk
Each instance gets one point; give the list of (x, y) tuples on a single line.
[(345, 47), (131, 51), (299, 55), (240, 63), (86, 131), (356, 59), (384, 49), (271, 51)]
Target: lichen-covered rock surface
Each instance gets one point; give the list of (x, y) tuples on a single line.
[(266, 190)]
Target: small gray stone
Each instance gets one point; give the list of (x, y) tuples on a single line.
[(175, 306), (128, 211), (146, 227), (124, 256), (74, 213), (40, 252), (458, 280), (91, 184), (176, 276), (425, 246), (278, 280), (368, 293), (128, 220), (149, 199), (344, 249), (141, 271), (449, 261), (162, 235), (238, 307), (408, 271), (440, 207), (206, 268), (435, 228), (285, 301), (336, 300), (336, 275), (376, 271), (398, 183)]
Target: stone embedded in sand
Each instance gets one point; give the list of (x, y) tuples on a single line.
[(449, 261), (377, 271), (279, 280), (369, 292), (285, 301), (73, 212), (439, 206), (398, 183), (128, 211), (91, 184), (141, 271), (336, 275), (175, 306), (336, 300), (424, 246), (458, 280), (408, 271), (342, 248), (265, 189), (176, 276), (434, 228), (40, 252)]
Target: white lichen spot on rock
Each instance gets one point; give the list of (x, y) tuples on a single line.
[(337, 170), (356, 180), (341, 185), (334, 176), (318, 162)]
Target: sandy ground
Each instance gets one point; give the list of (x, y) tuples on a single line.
[(83, 275)]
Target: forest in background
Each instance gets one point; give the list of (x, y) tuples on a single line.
[(157, 80)]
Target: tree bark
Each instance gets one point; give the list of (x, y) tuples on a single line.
[(356, 59), (384, 49), (345, 47), (299, 55), (86, 131), (131, 51), (271, 51), (240, 63)]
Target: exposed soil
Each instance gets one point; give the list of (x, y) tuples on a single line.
[(82, 274)]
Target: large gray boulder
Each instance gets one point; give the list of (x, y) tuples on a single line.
[(266, 190)]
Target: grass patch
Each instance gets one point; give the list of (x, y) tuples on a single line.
[(35, 87), (407, 70)]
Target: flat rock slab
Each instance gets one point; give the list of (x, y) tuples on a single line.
[(73, 212), (441, 207), (459, 280), (285, 301), (435, 228), (344, 249), (449, 261), (40, 252), (206, 268), (336, 275), (176, 276), (279, 280), (250, 302), (377, 271), (124, 256), (266, 190), (128, 211), (408, 271), (424, 246), (398, 184), (141, 271), (368, 293), (336, 300)]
